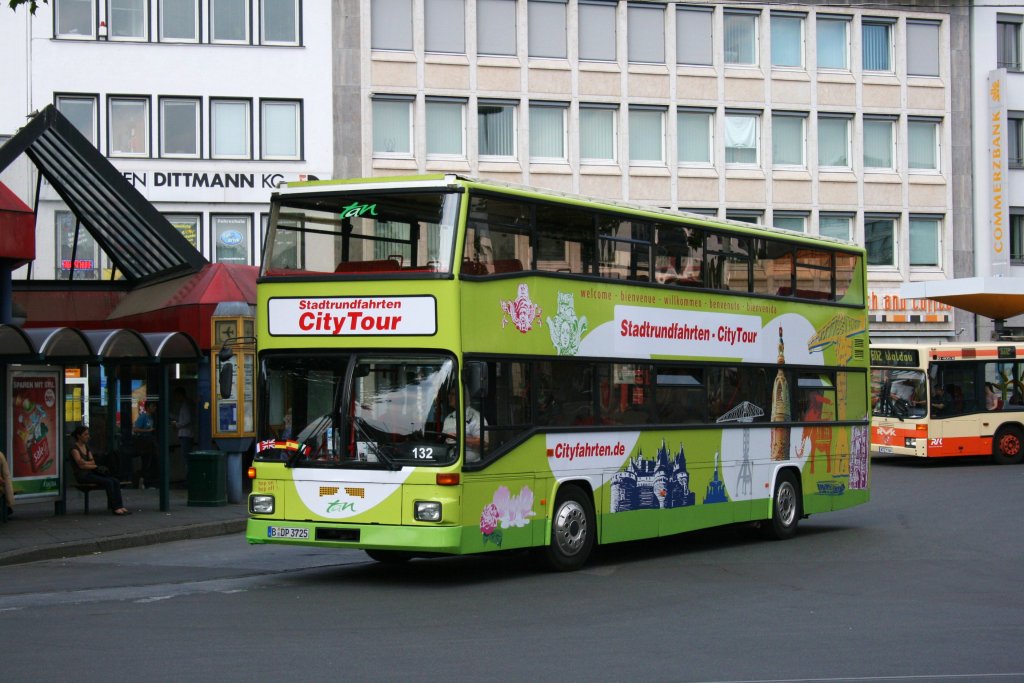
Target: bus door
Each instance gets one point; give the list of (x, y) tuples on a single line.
[(955, 408)]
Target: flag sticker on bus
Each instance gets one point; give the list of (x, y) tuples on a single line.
[(353, 316)]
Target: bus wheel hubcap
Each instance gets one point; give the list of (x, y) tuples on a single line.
[(786, 503), (570, 528)]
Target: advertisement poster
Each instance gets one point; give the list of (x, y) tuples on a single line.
[(35, 432)]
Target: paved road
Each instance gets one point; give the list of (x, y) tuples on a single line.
[(922, 584)]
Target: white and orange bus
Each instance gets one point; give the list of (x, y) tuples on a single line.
[(935, 401)]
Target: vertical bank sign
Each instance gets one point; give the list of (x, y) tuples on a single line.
[(999, 215), (352, 316)]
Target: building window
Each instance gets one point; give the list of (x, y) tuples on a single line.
[(547, 132), (788, 140), (597, 31), (231, 238), (923, 48), (753, 217), (446, 126), (392, 127), (1015, 139), (128, 119), (694, 38), (695, 136), (833, 141), (444, 24), (646, 34), (923, 145), (189, 225), (74, 18), (391, 25), (1017, 236), (127, 19), (78, 260), (740, 38), (546, 28), (742, 138), (646, 135), (880, 240), (280, 129), (496, 125), (496, 27), (797, 222), (279, 22), (924, 240), (833, 42), (179, 21), (597, 134), (1008, 41), (81, 112), (179, 128), (878, 143), (229, 21), (230, 129), (787, 40), (834, 225), (876, 43)]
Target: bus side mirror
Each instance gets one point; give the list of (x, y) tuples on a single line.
[(474, 377)]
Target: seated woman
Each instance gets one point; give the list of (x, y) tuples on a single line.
[(87, 471)]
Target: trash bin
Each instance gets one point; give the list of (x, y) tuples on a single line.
[(207, 478)]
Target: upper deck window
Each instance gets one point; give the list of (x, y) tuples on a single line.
[(361, 233)]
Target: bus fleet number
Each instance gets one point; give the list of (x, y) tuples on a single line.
[(423, 453)]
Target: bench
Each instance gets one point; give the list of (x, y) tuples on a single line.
[(86, 489)]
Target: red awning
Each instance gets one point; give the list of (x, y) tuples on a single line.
[(17, 228), (186, 303)]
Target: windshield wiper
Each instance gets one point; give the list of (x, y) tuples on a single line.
[(375, 444)]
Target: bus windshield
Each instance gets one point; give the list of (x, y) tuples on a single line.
[(361, 233), (898, 393), (392, 413)]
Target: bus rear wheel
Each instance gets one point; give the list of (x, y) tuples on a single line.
[(1008, 446), (573, 528), (786, 508)]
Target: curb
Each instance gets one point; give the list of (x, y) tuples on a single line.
[(133, 540)]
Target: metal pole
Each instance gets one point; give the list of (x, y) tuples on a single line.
[(163, 439)]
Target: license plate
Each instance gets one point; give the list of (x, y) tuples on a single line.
[(885, 449), (287, 532)]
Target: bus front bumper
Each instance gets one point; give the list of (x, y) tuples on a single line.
[(419, 538)]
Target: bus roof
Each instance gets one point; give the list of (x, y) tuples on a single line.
[(1006, 350), (451, 181)]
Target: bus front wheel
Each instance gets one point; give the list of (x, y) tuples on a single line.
[(786, 510), (573, 529), (1008, 446)]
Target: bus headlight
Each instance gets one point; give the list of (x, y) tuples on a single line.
[(427, 511), (909, 442), (261, 504)]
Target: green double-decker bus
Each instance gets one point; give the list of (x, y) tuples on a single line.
[(451, 366)]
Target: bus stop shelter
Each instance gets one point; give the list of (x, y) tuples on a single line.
[(58, 347), (998, 298)]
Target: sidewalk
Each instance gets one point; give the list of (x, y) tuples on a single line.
[(35, 533)]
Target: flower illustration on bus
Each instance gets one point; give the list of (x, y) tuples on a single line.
[(505, 511)]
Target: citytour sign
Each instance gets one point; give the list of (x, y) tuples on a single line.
[(998, 130)]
